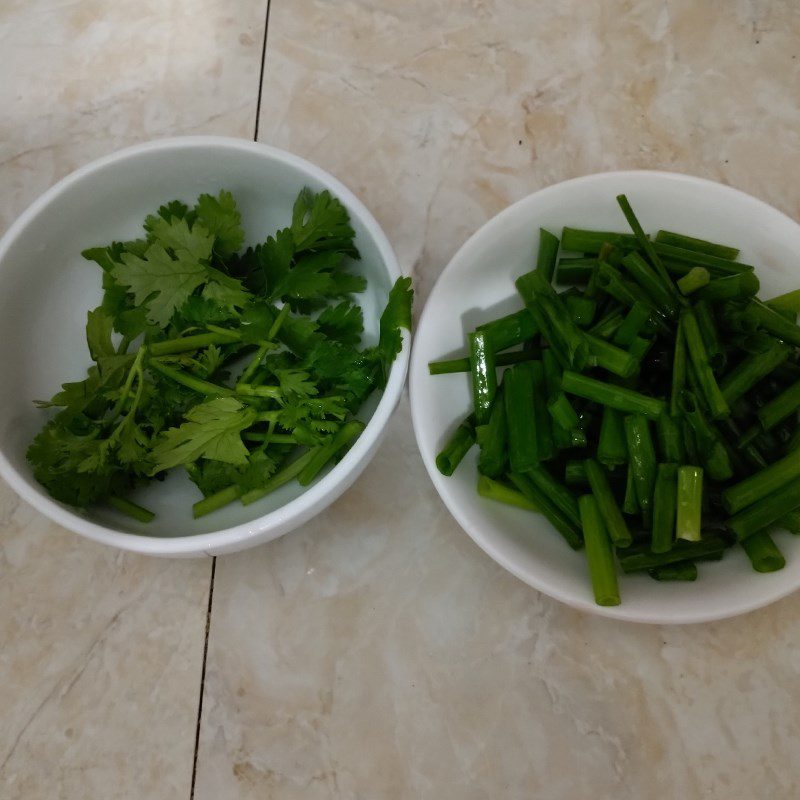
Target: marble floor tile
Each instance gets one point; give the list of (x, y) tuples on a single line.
[(82, 78), (101, 652), (377, 653), (100, 661)]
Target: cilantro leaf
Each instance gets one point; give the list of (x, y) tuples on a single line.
[(98, 333), (209, 361), (295, 383), (212, 431), (176, 235), (321, 222), (225, 291), (200, 311), (160, 282), (211, 476), (57, 455), (344, 322), (396, 315), (133, 443), (220, 217), (315, 279), (256, 321), (275, 258), (169, 211)]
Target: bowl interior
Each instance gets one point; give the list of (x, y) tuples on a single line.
[(47, 288), (478, 285)]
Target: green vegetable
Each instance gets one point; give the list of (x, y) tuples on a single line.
[(612, 450), (574, 271), (696, 278), (670, 440), (763, 553), (562, 522), (635, 320), (555, 491), (457, 446), (237, 366), (697, 245), (523, 442), (637, 559), (698, 356), (484, 375), (731, 287), (507, 331), (599, 553), (665, 330), (548, 253), (617, 397), (606, 503), (665, 507), (767, 510), (762, 483), (495, 490), (493, 440), (690, 503), (753, 369), (642, 456), (463, 365), (682, 571)]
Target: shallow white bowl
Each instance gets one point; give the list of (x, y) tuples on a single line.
[(478, 285), (46, 288)]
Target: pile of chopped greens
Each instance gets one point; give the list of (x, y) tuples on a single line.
[(244, 367), (651, 410)]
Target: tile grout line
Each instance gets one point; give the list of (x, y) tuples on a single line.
[(203, 677), (261, 74), (214, 558)]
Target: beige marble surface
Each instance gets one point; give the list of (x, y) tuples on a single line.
[(101, 652), (377, 653)]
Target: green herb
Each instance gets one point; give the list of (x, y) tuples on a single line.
[(236, 366)]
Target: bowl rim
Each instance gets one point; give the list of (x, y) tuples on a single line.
[(318, 495), (418, 372)]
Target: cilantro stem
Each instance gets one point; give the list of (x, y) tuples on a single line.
[(283, 476), (270, 438), (247, 389), (328, 451), (136, 369), (196, 342), (130, 509), (216, 501), (279, 320), (190, 381), (255, 362), (231, 334)]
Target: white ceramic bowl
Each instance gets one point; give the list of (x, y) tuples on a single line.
[(478, 285), (46, 288)]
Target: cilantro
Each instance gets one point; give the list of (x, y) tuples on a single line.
[(172, 210), (344, 322), (98, 333), (321, 222), (212, 476), (396, 315), (222, 219), (183, 315), (159, 281), (212, 431)]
